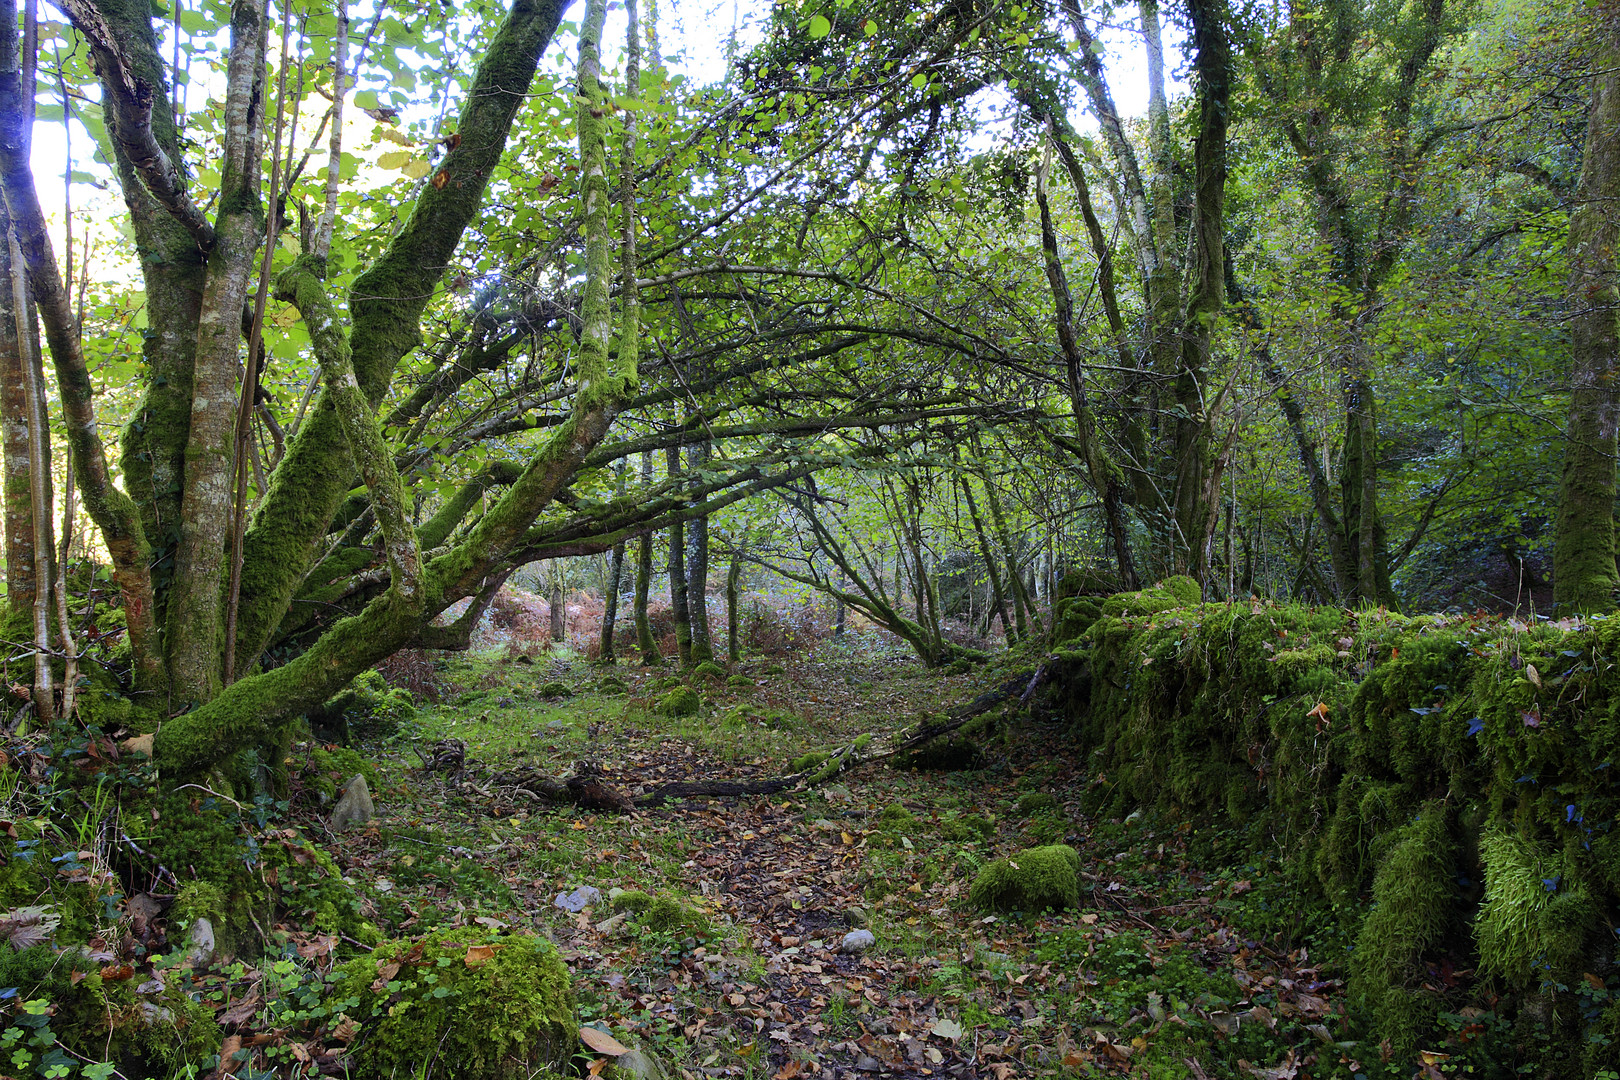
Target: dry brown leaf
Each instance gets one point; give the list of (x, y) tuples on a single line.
[(602, 1042), (478, 955)]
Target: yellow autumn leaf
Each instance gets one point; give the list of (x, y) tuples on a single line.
[(395, 159)]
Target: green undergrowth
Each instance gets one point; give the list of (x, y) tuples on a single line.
[(1445, 787)]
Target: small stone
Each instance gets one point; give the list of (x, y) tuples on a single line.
[(580, 899), (200, 943), (867, 1063), (556, 725), (856, 942), (990, 958), (355, 807), (856, 917), (636, 1065)]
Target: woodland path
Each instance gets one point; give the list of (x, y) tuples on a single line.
[(946, 991)]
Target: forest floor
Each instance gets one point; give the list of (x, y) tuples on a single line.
[(1164, 971)]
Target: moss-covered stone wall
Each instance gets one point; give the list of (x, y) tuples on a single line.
[(1447, 783)]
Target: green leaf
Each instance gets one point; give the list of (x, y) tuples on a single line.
[(872, 28), (919, 80), (819, 26)]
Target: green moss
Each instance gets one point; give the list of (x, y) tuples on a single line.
[(740, 682), (611, 684), (1414, 910), (197, 900), (808, 761), (633, 900), (1033, 880), (483, 1006), (666, 916), (950, 753), (554, 689), (709, 670), (159, 1034), (967, 827), (1036, 802), (681, 701), (895, 816)]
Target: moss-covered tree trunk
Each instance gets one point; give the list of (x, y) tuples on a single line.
[(1584, 577), (193, 631), (14, 411), (644, 570)]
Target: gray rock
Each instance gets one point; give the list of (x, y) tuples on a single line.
[(355, 807), (200, 943), (856, 942), (856, 917), (868, 1063), (580, 899), (636, 1065)]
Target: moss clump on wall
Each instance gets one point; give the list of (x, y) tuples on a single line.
[(1414, 909), (681, 701), (480, 1005), (1030, 881), (1328, 739)]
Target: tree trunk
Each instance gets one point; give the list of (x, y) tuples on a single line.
[(677, 574), (1584, 576), (644, 563), (558, 604), (997, 597), (1021, 605), (733, 602), (610, 602), (15, 407), (697, 569)]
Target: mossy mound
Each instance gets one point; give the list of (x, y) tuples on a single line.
[(554, 689), (895, 816), (740, 682), (369, 709), (967, 827), (468, 1003), (709, 670), (1036, 802), (951, 753), (1032, 880), (633, 900), (773, 669), (681, 701), (611, 684)]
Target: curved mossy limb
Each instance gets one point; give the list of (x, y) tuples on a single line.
[(483, 1006)]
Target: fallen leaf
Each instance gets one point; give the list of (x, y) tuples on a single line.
[(478, 955), (602, 1042), (947, 1029)]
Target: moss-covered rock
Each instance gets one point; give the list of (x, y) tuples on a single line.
[(634, 901), (709, 670), (681, 701), (468, 1003), (554, 689), (150, 1028), (740, 682), (1030, 881), (611, 684)]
